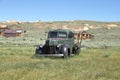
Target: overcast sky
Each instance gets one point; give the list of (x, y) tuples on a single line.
[(60, 10)]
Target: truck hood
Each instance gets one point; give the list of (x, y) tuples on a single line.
[(55, 41)]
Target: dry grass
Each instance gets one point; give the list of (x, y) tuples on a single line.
[(18, 63)]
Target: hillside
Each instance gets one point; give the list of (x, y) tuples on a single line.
[(106, 33)]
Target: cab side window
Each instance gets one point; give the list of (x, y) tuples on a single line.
[(71, 35)]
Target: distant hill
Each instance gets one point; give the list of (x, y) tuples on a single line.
[(74, 25)]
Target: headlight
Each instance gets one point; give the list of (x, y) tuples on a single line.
[(39, 46), (59, 45)]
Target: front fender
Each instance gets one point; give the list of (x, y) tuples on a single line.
[(63, 48)]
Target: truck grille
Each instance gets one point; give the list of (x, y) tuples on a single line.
[(49, 49), (47, 42), (52, 49)]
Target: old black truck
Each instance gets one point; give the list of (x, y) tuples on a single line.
[(60, 43)]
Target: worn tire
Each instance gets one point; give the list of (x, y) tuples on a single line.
[(78, 51)]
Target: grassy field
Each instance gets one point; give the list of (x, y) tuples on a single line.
[(19, 63), (98, 60)]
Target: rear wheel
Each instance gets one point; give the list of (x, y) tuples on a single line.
[(78, 51)]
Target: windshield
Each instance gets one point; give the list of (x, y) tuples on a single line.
[(52, 35), (62, 35), (57, 35)]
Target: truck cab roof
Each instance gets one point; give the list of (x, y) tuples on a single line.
[(60, 33), (60, 30)]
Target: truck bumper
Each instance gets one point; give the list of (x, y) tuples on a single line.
[(50, 55)]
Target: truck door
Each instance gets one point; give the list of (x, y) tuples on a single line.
[(70, 39)]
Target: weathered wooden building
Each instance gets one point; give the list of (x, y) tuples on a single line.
[(83, 35), (86, 35), (12, 33)]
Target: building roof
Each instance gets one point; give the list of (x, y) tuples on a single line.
[(10, 31)]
